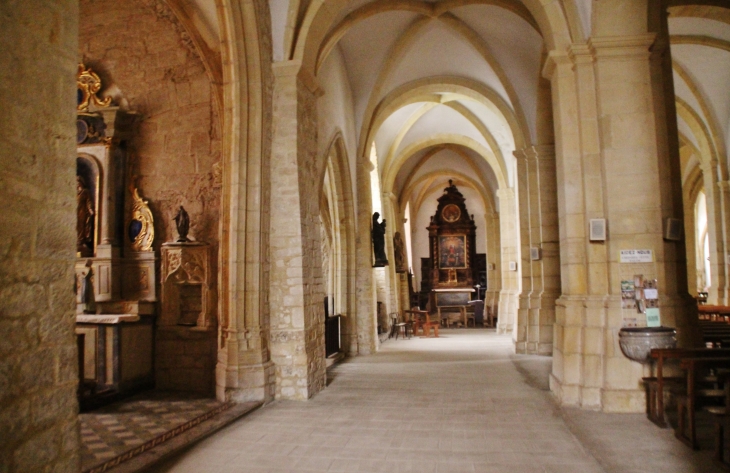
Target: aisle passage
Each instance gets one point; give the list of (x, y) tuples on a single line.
[(459, 403)]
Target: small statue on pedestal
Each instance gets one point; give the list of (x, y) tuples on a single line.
[(378, 235), (182, 221)]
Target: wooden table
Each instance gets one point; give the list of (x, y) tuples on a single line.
[(462, 312), (421, 319)]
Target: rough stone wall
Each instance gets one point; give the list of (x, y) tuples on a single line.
[(38, 360), (148, 63)]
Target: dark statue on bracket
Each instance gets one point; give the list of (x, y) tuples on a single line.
[(378, 234), (182, 221)]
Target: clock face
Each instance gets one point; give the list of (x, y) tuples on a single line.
[(451, 213)]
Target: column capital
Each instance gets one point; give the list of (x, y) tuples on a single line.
[(293, 68), (622, 47), (506, 192), (555, 58), (723, 185), (537, 152)]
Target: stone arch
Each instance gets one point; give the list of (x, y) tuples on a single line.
[(389, 174), (336, 177)]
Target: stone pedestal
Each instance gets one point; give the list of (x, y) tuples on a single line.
[(186, 284)]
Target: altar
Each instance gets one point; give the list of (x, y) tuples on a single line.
[(453, 259), (116, 289)]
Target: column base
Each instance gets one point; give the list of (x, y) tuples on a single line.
[(598, 399), (255, 383)]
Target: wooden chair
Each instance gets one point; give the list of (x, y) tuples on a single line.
[(399, 326)]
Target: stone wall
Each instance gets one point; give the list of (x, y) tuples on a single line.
[(38, 361), (149, 65)]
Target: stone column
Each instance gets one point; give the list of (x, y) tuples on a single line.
[(612, 163), (519, 335), (38, 356), (366, 316), (510, 252), (714, 229), (244, 371), (721, 210), (296, 288), (541, 286), (494, 273)]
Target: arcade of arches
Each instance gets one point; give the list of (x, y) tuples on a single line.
[(283, 125)]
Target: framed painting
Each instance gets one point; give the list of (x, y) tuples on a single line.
[(452, 252)]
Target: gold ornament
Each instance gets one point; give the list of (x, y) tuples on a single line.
[(142, 224), (89, 84)]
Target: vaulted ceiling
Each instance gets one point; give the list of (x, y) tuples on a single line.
[(453, 94)]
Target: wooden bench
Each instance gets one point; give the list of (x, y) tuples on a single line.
[(686, 404), (655, 385), (722, 422), (715, 333)]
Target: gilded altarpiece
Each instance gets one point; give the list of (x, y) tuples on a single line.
[(452, 244), (115, 267), (452, 234)]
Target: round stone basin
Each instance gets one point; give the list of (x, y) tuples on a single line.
[(637, 342)]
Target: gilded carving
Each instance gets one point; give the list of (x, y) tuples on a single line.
[(142, 225), (89, 84)]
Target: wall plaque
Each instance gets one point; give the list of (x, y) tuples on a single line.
[(637, 256)]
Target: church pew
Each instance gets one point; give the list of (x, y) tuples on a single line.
[(656, 384), (697, 388)]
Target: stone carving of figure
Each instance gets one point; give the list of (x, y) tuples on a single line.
[(400, 253), (87, 290), (84, 218), (378, 234), (182, 220)]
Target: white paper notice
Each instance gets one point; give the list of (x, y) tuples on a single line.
[(651, 294), (637, 256)]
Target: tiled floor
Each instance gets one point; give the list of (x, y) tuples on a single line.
[(109, 432), (459, 403)]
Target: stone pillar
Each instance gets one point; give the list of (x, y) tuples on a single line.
[(296, 289), (519, 334), (510, 253), (612, 163), (494, 263), (244, 371), (38, 356), (539, 230), (721, 210), (366, 316), (716, 193)]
